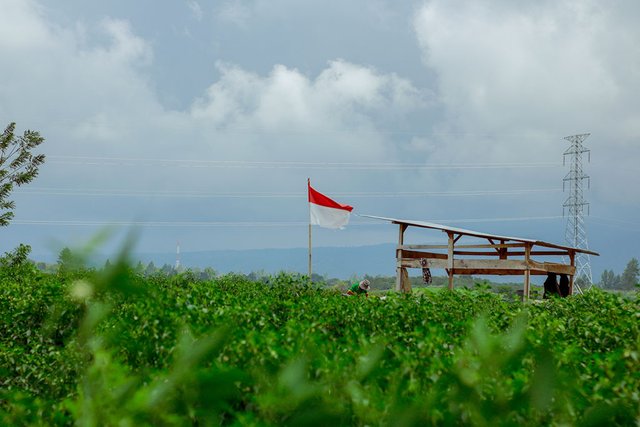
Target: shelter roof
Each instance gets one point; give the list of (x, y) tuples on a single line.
[(465, 232)]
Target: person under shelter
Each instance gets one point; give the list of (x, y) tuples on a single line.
[(550, 286)]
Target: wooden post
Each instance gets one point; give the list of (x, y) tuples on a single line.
[(308, 195), (406, 283), (450, 260), (502, 251), (309, 251), (572, 258), (527, 273), (399, 274)]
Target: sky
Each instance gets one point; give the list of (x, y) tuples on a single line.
[(200, 122)]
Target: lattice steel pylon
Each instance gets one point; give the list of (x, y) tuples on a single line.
[(576, 232)]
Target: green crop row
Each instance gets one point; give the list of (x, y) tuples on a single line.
[(117, 348)]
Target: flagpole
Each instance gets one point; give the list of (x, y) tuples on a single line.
[(308, 185)]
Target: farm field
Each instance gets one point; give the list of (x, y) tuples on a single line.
[(114, 347)]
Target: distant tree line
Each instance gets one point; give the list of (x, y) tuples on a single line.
[(69, 261), (628, 280)]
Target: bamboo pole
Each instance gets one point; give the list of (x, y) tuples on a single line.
[(450, 260), (310, 281), (309, 203)]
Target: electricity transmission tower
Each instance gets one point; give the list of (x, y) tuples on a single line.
[(576, 232)]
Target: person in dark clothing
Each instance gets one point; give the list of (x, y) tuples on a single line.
[(564, 286), (550, 286)]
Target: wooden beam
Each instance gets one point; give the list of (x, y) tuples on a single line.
[(469, 246), (399, 269), (485, 264), (472, 253), (496, 247), (512, 254), (553, 267), (405, 282), (423, 247), (517, 267), (503, 251), (572, 259), (542, 253), (527, 272), (421, 254), (499, 272)]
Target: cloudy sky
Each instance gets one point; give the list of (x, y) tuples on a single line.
[(200, 121)]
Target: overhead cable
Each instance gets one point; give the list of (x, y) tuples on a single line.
[(249, 195), (248, 164), (244, 223)]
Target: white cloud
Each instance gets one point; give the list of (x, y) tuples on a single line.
[(344, 98), (59, 77), (22, 26), (89, 93), (514, 78), (196, 9), (236, 12)]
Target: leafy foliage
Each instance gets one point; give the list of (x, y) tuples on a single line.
[(609, 280), (629, 279), (630, 275), (18, 165), (118, 347)]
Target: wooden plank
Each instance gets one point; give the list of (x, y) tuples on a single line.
[(465, 264), (450, 260), (423, 247), (415, 263), (421, 254), (513, 265), (481, 272), (472, 253), (552, 267), (500, 272), (512, 254), (468, 246), (544, 253)]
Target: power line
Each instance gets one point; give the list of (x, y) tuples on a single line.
[(246, 164), (617, 223), (249, 195), (246, 223)]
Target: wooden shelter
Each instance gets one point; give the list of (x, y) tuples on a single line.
[(501, 255)]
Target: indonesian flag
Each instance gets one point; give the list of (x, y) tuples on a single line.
[(326, 212)]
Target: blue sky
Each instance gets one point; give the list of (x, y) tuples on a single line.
[(201, 121)]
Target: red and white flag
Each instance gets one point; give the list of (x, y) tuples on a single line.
[(326, 212)]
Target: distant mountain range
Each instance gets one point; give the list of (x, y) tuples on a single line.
[(331, 262)]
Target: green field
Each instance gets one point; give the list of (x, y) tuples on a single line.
[(117, 348)]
